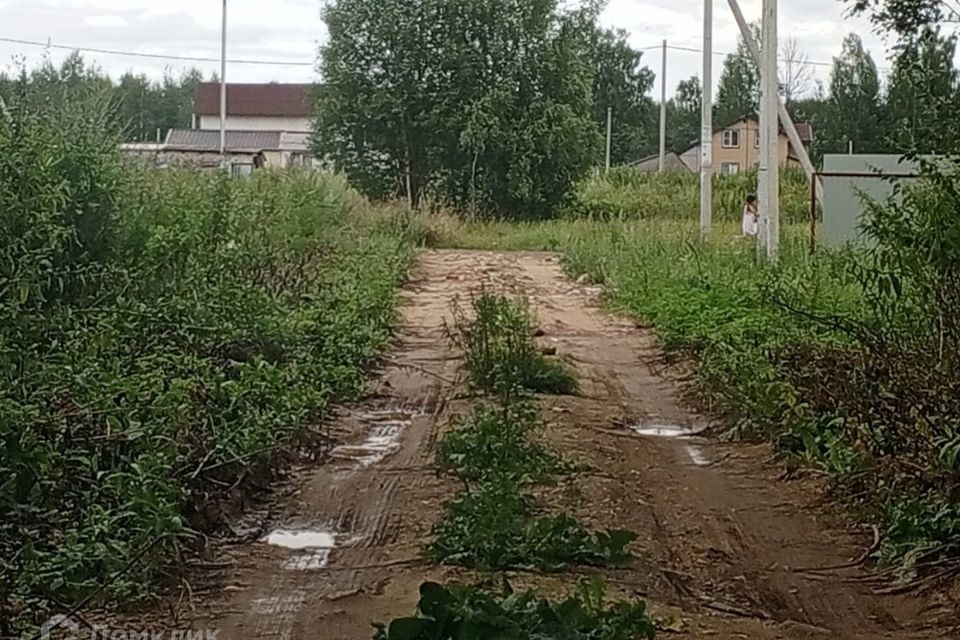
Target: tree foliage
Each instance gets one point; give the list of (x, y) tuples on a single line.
[(738, 93), (683, 115), (621, 83), (922, 98), (492, 105), (854, 102), (138, 106)]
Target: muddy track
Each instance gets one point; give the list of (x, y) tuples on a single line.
[(725, 548)]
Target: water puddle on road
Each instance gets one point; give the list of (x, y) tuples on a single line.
[(382, 439), (697, 456), (315, 547), (664, 430)]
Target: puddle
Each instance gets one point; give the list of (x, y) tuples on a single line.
[(697, 456), (301, 539), (663, 430), (382, 439), (315, 545)]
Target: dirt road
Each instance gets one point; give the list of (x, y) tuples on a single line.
[(725, 549)]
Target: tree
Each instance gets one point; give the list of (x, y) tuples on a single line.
[(485, 103), (738, 93), (922, 98), (683, 115), (907, 17), (796, 74), (853, 112), (622, 83)]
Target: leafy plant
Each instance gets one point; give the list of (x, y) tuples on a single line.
[(164, 337), (493, 526), (499, 440), (474, 613), (499, 352)]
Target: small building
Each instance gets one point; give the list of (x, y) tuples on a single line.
[(255, 107), (202, 148)]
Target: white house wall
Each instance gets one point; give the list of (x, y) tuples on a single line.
[(256, 123)]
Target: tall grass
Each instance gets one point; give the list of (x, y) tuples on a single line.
[(628, 193), (164, 336)]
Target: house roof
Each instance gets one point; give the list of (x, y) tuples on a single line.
[(672, 162), (278, 100), (209, 140)]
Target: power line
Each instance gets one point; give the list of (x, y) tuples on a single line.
[(724, 53), (154, 56)]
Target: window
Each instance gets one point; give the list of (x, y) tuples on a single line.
[(731, 139), (756, 139), (729, 168)]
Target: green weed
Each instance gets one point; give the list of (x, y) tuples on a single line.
[(497, 439), (493, 526), (164, 335), (475, 613), (499, 352)]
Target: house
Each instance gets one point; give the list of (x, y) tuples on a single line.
[(736, 147), (272, 119), (254, 107)]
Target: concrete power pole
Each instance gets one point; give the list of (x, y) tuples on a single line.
[(769, 135), (663, 110), (785, 118), (223, 87), (706, 124), (609, 134)]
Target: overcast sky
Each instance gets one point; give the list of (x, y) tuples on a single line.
[(289, 31)]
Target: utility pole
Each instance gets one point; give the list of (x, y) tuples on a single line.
[(789, 128), (706, 123), (769, 177), (609, 132), (663, 110), (223, 87)]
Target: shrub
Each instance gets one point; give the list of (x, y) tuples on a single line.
[(500, 355), (475, 613), (627, 193), (164, 335)]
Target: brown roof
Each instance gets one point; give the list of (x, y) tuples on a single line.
[(672, 162), (280, 100), (209, 140)]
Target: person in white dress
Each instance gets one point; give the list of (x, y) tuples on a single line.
[(750, 225)]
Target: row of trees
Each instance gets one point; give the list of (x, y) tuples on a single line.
[(139, 106), (491, 105), (906, 113)]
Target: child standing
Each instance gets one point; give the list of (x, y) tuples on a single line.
[(750, 226)]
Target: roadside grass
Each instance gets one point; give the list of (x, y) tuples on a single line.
[(166, 337)]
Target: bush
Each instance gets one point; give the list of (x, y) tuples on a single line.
[(164, 335), (500, 355), (628, 193), (475, 613)]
